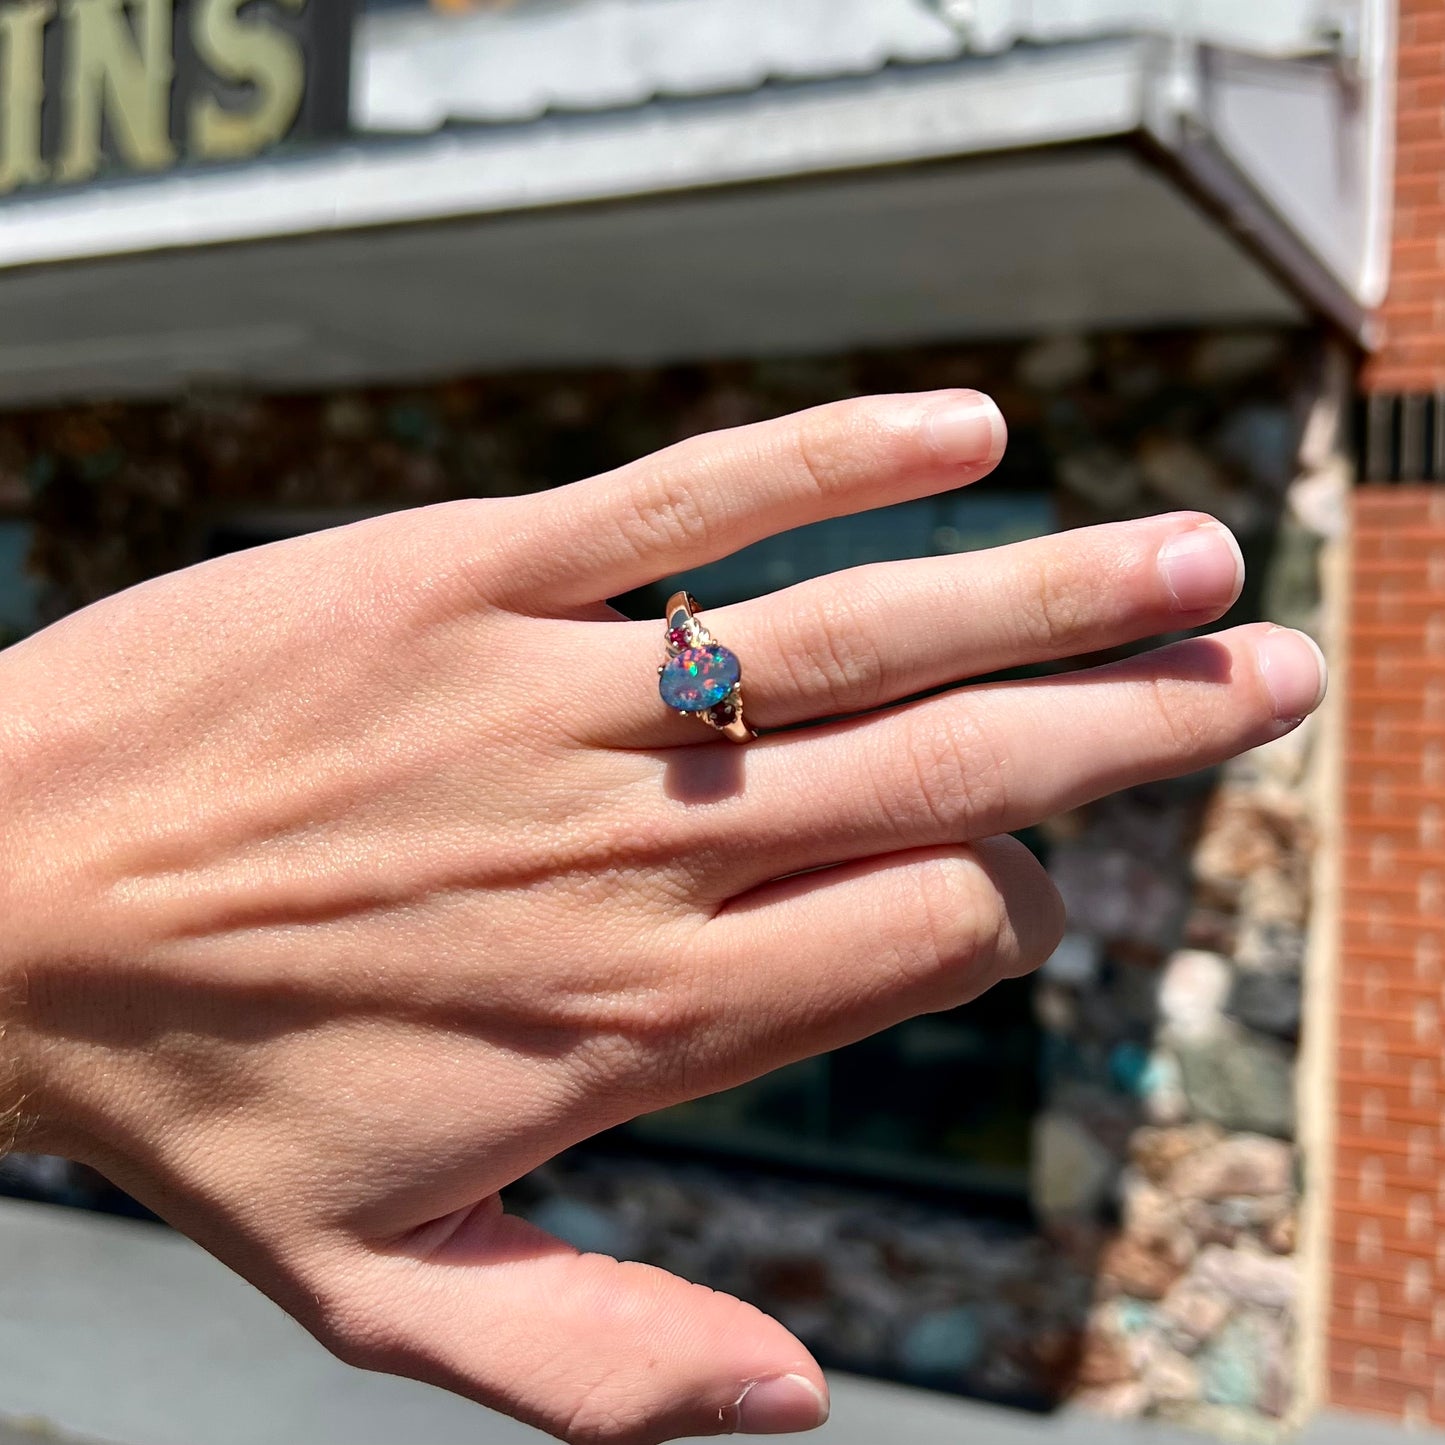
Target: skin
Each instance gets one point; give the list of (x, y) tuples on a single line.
[(330, 911)]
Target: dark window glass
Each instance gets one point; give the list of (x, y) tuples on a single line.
[(18, 591)]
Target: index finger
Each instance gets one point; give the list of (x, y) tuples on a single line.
[(704, 498)]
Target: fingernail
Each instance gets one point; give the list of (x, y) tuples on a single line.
[(967, 428), (1294, 672), (1202, 568), (781, 1405)]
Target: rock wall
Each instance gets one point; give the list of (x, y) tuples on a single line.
[(1159, 1275)]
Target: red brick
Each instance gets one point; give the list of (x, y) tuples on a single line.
[(1397, 1069), (1405, 920), (1386, 705), (1392, 1181), (1406, 290), (1416, 92), (1378, 1399), (1395, 989), (1421, 255), (1423, 159), (1413, 126), (1399, 1338), (1399, 1097), (1385, 574), (1388, 787), (1390, 666), (1394, 1279), (1385, 374), (1392, 594), (1390, 1367), (1408, 865), (1418, 27), (1412, 318), (1418, 1162), (1392, 501), (1419, 347), (1350, 1192), (1390, 1097), (1421, 190), (1401, 539), (1392, 737)]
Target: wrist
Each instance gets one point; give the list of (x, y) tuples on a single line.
[(16, 908), (32, 888)]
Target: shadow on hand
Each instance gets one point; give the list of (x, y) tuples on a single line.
[(707, 773)]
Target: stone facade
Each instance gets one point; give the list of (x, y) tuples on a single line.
[(1159, 1274)]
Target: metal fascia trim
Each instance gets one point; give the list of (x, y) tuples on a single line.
[(1179, 139), (899, 116)]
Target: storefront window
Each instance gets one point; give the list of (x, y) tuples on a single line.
[(943, 1101), (962, 521), (18, 592)]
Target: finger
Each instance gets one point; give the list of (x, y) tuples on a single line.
[(872, 635), (582, 1346), (835, 955), (996, 758), (706, 497)]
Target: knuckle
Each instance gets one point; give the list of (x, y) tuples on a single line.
[(1182, 727), (833, 654), (667, 519), (1054, 616), (960, 920), (452, 545), (958, 775), (938, 906), (832, 446)]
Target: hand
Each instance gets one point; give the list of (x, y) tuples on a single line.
[(349, 879)]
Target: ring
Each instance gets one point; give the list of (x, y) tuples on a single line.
[(701, 678)]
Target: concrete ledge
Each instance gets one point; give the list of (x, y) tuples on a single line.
[(121, 1333)]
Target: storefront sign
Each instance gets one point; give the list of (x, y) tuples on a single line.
[(93, 88)]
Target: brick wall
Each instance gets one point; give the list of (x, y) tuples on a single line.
[(1386, 1331), (1413, 356), (1387, 1323)]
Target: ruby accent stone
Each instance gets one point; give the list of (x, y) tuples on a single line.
[(679, 638), (699, 678)]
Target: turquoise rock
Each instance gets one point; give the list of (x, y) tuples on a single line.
[(942, 1343), (1231, 1367)]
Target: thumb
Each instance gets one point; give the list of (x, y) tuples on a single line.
[(580, 1345)]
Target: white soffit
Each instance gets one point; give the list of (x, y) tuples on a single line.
[(1086, 239), (417, 70)]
